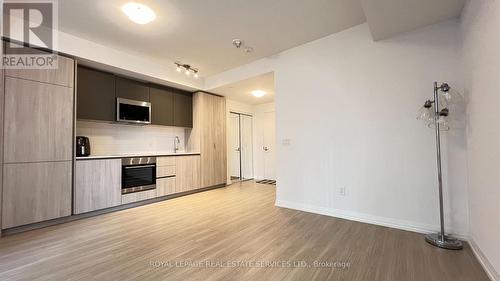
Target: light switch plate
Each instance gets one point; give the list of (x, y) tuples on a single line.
[(342, 191), (286, 142)]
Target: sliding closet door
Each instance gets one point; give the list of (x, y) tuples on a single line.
[(234, 144), (246, 144)]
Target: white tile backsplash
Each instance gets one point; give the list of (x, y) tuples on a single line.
[(112, 139)]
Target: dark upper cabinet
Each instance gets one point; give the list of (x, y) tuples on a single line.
[(97, 92), (95, 95), (162, 106), (131, 89), (183, 109)]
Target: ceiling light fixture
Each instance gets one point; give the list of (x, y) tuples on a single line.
[(188, 69), (138, 13), (238, 43), (258, 93)]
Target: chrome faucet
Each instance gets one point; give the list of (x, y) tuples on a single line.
[(177, 141)]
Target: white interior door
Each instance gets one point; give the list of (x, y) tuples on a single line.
[(269, 146), (234, 140)]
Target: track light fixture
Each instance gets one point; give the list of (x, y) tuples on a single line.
[(188, 69)]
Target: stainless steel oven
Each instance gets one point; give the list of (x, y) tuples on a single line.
[(138, 174), (131, 111)]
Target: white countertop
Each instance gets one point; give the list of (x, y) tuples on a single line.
[(146, 154)]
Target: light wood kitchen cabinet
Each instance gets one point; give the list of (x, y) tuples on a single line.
[(165, 186), (63, 75), (34, 192), (165, 171), (97, 185), (219, 172), (37, 144), (165, 161), (209, 137), (165, 175), (38, 121), (1, 131), (187, 173)]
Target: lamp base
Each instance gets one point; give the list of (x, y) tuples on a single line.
[(448, 243)]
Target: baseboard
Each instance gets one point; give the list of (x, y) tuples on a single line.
[(488, 267), (365, 218)]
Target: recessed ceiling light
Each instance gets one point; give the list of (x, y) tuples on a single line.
[(138, 13), (258, 93)]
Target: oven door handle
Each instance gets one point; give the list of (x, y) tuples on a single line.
[(138, 167)]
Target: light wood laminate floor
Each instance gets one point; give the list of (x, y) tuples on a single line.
[(237, 224)]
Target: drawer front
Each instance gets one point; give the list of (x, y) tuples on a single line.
[(138, 196), (165, 186), (165, 171), (165, 161)]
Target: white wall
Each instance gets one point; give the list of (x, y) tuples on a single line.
[(348, 105), (111, 138), (481, 34)]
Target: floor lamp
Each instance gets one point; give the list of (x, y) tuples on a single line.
[(435, 113)]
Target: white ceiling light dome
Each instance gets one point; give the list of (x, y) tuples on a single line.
[(258, 93), (139, 13)]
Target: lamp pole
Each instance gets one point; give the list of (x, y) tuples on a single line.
[(440, 239), (438, 158)]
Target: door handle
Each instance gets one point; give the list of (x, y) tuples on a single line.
[(266, 148)]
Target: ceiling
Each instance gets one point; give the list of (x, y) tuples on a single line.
[(200, 32), (241, 90), (387, 18)]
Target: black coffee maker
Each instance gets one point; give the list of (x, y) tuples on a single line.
[(82, 146)]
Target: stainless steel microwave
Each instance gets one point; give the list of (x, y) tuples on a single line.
[(132, 111)]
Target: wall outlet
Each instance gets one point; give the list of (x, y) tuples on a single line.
[(342, 191)]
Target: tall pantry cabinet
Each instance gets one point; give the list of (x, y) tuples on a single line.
[(37, 143), (209, 137), (1, 131)]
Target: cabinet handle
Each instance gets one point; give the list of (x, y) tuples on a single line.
[(214, 146), (139, 167)]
